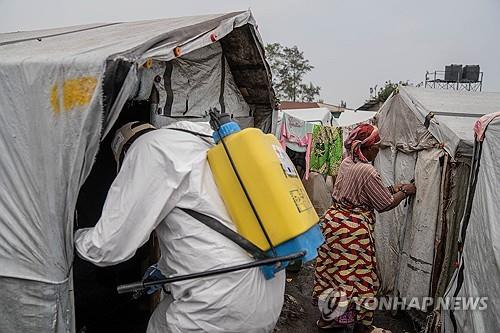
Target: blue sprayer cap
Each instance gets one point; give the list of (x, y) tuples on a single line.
[(225, 130)]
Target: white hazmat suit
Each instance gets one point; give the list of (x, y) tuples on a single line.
[(165, 170)]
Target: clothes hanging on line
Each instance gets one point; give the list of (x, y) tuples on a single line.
[(327, 149)]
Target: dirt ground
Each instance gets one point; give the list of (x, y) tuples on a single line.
[(299, 315)]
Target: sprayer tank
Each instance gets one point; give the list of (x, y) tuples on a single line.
[(273, 187)]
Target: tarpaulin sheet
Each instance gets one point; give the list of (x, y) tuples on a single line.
[(349, 118), (387, 228), (453, 209), (480, 262), (405, 235), (454, 114), (399, 127), (415, 267), (196, 83)]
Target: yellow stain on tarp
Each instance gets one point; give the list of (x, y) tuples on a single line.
[(75, 92)]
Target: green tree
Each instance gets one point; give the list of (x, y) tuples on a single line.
[(309, 92), (288, 66), (383, 93)]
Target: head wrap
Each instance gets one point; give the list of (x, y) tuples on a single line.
[(363, 136)]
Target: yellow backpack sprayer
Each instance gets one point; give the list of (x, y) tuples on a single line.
[(264, 196), (262, 191)]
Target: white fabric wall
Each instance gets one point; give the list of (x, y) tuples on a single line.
[(405, 236), (415, 267), (387, 229), (481, 255)]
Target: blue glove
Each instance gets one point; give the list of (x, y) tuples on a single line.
[(152, 274)]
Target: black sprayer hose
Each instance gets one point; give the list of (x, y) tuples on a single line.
[(136, 286)]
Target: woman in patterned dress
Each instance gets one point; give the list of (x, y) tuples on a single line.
[(346, 279)]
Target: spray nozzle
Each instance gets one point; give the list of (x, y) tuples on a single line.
[(222, 124), (218, 119)]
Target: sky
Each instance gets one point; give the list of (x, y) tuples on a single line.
[(353, 45)]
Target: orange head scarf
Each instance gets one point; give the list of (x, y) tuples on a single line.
[(363, 136)]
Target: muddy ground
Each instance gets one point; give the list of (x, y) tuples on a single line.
[(299, 315)]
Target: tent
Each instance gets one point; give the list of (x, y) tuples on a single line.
[(477, 275), (349, 118), (61, 92), (426, 136)]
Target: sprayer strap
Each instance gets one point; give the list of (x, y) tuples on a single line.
[(217, 226), (203, 135)]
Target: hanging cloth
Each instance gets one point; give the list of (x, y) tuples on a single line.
[(327, 150), (297, 132)]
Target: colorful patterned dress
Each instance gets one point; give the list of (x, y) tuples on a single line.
[(346, 278)]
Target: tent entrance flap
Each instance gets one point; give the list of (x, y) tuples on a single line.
[(97, 305)]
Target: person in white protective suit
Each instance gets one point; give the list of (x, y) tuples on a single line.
[(162, 171)]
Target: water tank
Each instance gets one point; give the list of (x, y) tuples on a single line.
[(470, 73), (453, 73)]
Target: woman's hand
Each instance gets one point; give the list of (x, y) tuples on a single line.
[(409, 189), (397, 187), (405, 191)]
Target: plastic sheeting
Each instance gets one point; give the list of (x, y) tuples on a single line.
[(321, 116), (405, 235), (192, 84), (199, 80), (415, 269), (52, 115), (453, 114), (44, 307), (453, 205), (480, 262), (349, 118), (399, 127)]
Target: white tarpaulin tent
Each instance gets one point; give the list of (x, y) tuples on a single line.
[(426, 135), (477, 275), (350, 118), (60, 92), (321, 116)]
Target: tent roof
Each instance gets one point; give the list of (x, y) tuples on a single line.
[(458, 110), (110, 38), (136, 42), (455, 113), (348, 117), (323, 114), (311, 115)]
